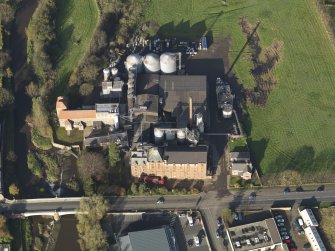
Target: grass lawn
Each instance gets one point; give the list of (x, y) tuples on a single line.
[(75, 137), (76, 22), (296, 128), (327, 216)]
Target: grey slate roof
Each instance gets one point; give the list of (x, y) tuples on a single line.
[(242, 167), (240, 155), (186, 154), (149, 240)]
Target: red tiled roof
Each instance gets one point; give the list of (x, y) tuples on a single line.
[(77, 114)]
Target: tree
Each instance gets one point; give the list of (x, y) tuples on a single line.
[(133, 188), (89, 215), (5, 236), (34, 165), (142, 188), (92, 164), (113, 154), (86, 89), (32, 90), (52, 169), (6, 99), (39, 118), (6, 13), (13, 190)]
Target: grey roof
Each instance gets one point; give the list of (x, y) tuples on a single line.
[(149, 240), (242, 167), (176, 91), (240, 155), (155, 155), (151, 102), (186, 154), (96, 139), (147, 84)]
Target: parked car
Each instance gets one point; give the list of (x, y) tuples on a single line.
[(279, 216), (282, 229), (301, 232), (219, 222), (235, 216), (280, 220), (285, 237), (283, 233), (307, 246), (196, 241), (218, 233), (190, 242), (287, 241), (201, 234), (240, 216), (280, 224), (300, 222)]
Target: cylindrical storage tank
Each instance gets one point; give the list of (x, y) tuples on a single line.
[(134, 60), (114, 71), (170, 135), (106, 74), (159, 135), (181, 135), (151, 63), (168, 63)]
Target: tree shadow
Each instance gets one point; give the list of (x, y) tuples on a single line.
[(257, 150)]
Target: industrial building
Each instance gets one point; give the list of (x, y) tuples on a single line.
[(314, 239), (262, 235), (162, 239), (308, 217), (80, 118), (176, 162)]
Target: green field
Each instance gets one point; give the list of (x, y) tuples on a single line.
[(295, 130), (76, 21)]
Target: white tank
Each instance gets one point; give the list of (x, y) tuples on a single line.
[(106, 74), (151, 63), (114, 71), (134, 60), (159, 135), (181, 135), (170, 135), (168, 63)]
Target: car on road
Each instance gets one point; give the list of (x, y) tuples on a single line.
[(252, 196), (321, 188), (280, 220), (286, 190), (280, 224), (299, 189), (160, 200)]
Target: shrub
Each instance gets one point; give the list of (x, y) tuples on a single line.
[(52, 170), (34, 165), (39, 141), (86, 89)]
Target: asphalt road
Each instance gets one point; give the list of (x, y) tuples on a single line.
[(265, 198)]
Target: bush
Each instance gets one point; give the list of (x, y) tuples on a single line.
[(52, 170), (39, 141), (73, 185), (86, 89), (6, 99), (235, 181), (34, 165)]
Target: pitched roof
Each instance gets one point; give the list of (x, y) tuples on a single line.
[(77, 114), (240, 155), (186, 154), (243, 167), (61, 103)]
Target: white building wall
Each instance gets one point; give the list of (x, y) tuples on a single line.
[(308, 217), (314, 239)]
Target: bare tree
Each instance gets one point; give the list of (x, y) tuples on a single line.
[(92, 164)]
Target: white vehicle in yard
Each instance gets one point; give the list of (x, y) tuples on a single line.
[(196, 241)]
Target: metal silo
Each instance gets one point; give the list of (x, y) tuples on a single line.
[(181, 135), (134, 60), (151, 63), (168, 63), (159, 135)]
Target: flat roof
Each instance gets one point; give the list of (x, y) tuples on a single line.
[(308, 217), (255, 235), (186, 154), (314, 239), (161, 239)]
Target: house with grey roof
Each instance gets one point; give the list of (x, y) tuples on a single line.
[(162, 239), (240, 165)]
